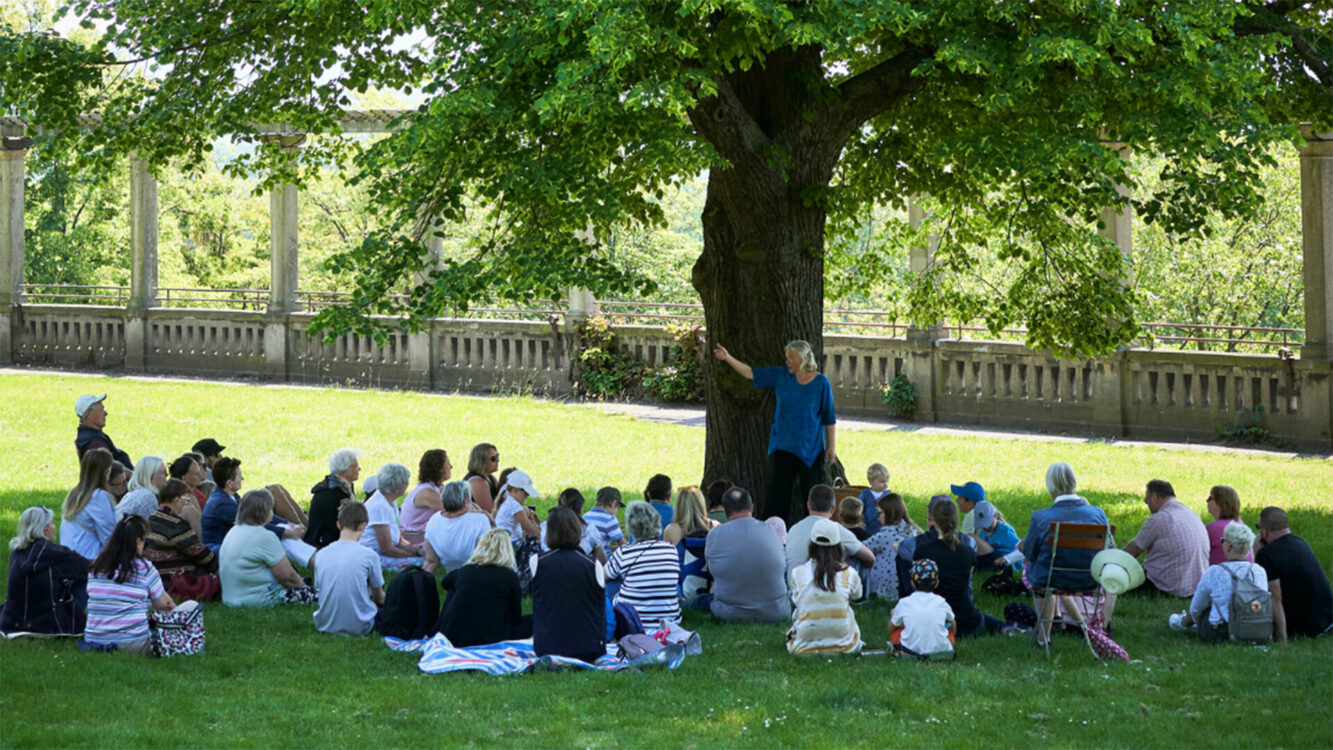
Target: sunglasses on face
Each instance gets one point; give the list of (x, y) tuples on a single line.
[(496, 457)]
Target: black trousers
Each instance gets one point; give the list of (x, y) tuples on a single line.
[(783, 469)]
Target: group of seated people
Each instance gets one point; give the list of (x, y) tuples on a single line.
[(185, 532)]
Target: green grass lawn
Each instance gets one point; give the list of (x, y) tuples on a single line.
[(268, 679)]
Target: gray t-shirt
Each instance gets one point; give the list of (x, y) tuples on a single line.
[(344, 573), (798, 542), (749, 581)]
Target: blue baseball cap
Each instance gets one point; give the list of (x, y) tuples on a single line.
[(970, 491)]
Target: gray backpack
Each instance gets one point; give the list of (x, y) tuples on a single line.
[(1250, 612)]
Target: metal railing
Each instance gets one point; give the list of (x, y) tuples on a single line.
[(837, 320)]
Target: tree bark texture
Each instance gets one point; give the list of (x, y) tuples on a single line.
[(761, 273)]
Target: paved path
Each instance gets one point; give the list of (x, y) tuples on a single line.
[(692, 416)]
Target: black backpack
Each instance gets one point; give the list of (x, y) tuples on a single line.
[(411, 605)]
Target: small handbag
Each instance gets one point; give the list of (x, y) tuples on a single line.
[(636, 645), (179, 632)]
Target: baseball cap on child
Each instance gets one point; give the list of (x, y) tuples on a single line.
[(925, 574), (984, 514), (970, 491), (826, 533)]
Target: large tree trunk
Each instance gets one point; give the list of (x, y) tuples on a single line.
[(761, 274)]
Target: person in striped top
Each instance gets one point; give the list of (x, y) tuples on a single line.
[(122, 586), (649, 568), (822, 590), (188, 568)]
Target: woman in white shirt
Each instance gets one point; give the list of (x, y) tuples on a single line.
[(382, 534), (453, 533)]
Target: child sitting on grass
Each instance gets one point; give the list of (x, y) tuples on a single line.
[(877, 476), (922, 624), (1004, 543), (851, 515), (822, 590)]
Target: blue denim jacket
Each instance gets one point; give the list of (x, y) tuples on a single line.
[(1066, 509)]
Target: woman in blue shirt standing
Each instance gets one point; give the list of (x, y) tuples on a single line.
[(804, 424)]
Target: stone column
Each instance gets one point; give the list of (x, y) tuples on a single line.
[(284, 269), (283, 238), (143, 235), (1317, 240), (1117, 222), (143, 263), (12, 152), (921, 362)]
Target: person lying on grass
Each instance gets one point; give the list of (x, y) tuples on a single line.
[(383, 535), (254, 569), (822, 590), (349, 579)]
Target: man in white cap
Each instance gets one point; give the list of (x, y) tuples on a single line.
[(92, 418)]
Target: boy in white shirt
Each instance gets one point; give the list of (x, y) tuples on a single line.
[(923, 624)]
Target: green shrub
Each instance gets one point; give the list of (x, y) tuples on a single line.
[(681, 377), (604, 372), (900, 396)]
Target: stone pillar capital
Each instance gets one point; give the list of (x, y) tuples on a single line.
[(21, 143), (286, 141)]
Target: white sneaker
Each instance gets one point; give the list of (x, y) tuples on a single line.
[(1177, 621)]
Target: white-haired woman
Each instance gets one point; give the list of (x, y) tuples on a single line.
[(48, 583), (453, 533), (383, 534), (329, 495), (147, 479), (648, 567), (254, 567), (1210, 610), (1066, 507), (804, 433), (484, 604)]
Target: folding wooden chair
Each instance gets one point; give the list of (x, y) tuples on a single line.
[(1070, 536)]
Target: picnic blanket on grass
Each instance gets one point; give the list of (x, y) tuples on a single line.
[(438, 655)]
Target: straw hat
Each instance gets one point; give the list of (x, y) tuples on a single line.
[(1117, 571)]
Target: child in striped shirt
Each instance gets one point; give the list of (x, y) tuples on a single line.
[(122, 586)]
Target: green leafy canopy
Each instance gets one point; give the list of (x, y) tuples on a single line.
[(557, 118)]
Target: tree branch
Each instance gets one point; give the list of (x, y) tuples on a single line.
[(874, 90)]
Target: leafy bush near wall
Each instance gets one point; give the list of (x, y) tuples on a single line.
[(604, 372), (681, 377), (900, 397)]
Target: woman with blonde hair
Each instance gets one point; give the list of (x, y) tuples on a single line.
[(688, 530), (47, 591), (804, 425), (88, 515), (484, 604), (1224, 505), (481, 465)]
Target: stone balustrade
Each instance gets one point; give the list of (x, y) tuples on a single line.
[(1136, 393)]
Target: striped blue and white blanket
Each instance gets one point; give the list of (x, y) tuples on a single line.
[(517, 657)]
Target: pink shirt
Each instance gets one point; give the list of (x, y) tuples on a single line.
[(1215, 531), (414, 518), (1175, 546)]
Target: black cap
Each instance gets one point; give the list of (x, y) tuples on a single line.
[(208, 447)]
